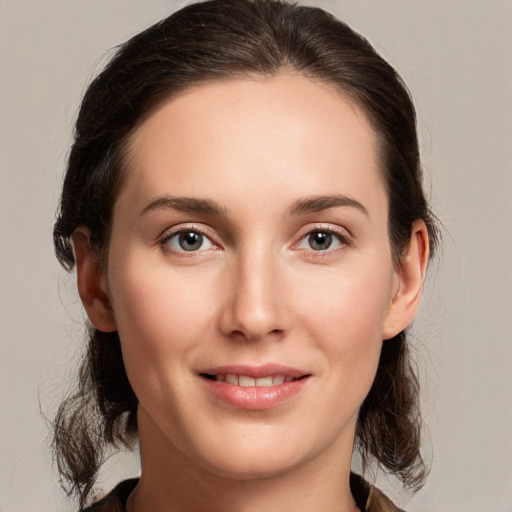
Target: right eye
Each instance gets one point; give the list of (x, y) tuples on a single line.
[(188, 240)]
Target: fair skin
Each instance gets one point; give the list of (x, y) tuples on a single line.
[(250, 239)]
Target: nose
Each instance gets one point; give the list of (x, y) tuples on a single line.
[(254, 308)]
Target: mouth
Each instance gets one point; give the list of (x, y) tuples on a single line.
[(248, 381), (254, 387)]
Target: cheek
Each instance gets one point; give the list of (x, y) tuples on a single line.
[(345, 318), (159, 313), (350, 301)]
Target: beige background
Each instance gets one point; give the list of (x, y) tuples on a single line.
[(455, 56)]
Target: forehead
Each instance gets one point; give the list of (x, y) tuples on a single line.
[(286, 132)]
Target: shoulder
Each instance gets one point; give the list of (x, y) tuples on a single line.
[(369, 498), (115, 501)]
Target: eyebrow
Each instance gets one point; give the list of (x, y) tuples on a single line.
[(313, 204), (310, 204), (185, 204)]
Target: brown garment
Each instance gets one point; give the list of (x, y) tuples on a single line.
[(368, 498)]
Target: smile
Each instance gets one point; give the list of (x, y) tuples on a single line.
[(247, 381), (254, 387)]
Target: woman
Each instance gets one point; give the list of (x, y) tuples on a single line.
[(243, 204)]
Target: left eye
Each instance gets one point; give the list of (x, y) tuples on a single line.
[(189, 241), (320, 240)]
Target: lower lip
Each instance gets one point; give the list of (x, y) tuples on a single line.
[(254, 397)]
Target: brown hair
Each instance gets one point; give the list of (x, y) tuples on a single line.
[(208, 41)]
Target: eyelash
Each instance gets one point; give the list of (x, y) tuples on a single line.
[(342, 237), (169, 235)]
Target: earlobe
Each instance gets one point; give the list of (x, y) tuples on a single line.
[(92, 283), (410, 277)]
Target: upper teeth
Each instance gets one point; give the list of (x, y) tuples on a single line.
[(246, 381)]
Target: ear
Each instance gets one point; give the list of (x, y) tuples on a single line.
[(92, 283), (410, 275)]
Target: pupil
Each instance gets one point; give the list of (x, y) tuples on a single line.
[(191, 241), (320, 241)]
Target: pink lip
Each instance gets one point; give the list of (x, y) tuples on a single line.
[(255, 397)]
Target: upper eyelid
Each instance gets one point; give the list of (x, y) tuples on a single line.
[(331, 228), (164, 240), (343, 234), (178, 228), (207, 231)]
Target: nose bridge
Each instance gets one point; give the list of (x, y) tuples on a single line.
[(254, 307)]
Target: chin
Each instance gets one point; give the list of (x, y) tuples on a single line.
[(253, 464), (260, 452)]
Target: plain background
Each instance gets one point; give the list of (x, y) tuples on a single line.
[(455, 56)]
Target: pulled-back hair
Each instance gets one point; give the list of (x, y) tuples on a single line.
[(219, 40)]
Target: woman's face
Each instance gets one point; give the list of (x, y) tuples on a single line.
[(250, 274)]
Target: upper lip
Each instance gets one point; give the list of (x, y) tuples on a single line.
[(255, 371)]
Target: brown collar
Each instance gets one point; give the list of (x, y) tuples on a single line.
[(368, 498)]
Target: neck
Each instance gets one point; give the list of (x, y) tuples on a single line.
[(172, 482)]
